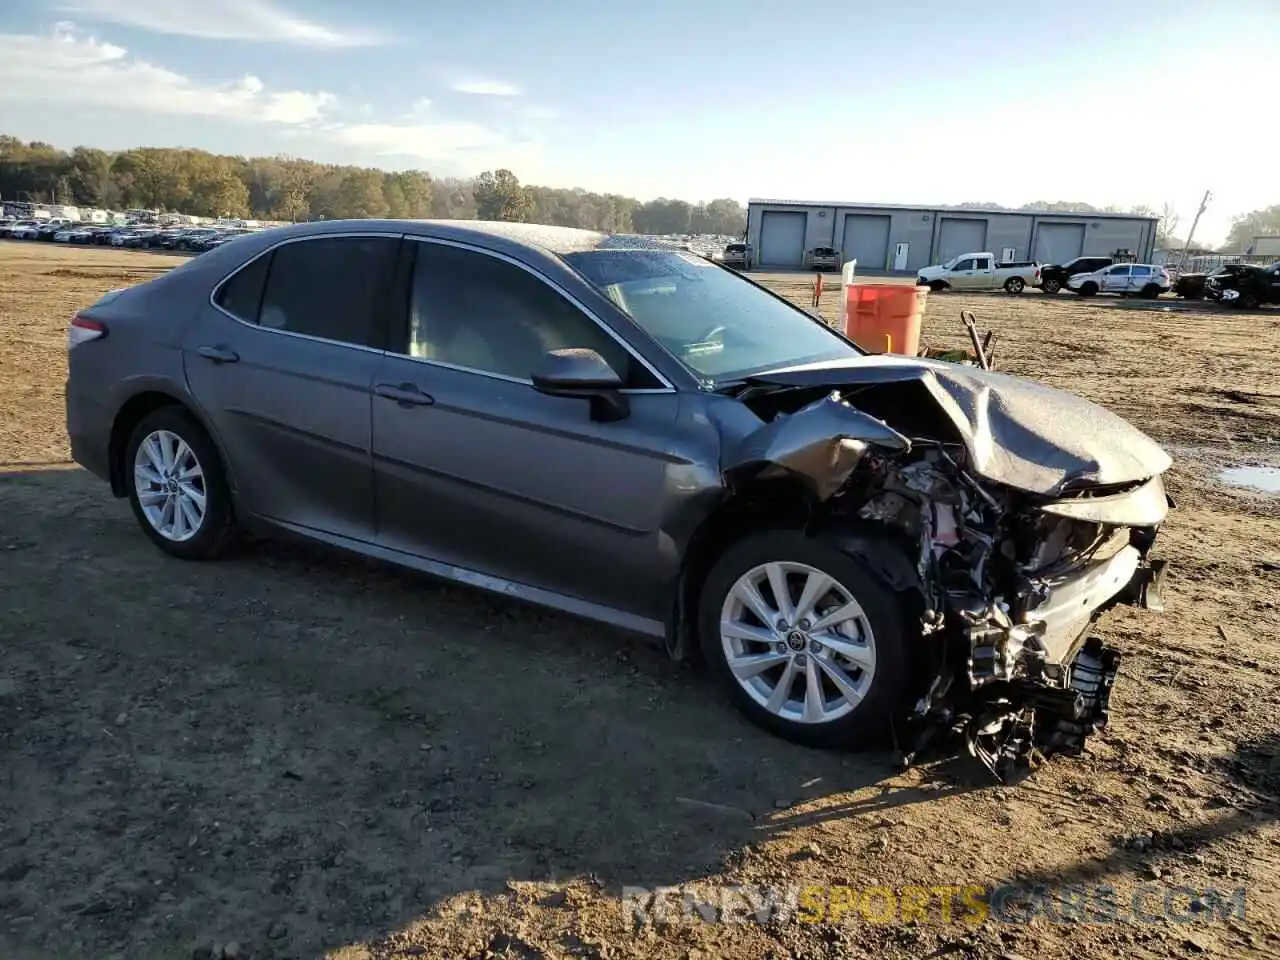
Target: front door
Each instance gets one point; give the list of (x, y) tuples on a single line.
[(961, 276), (283, 365), (1116, 279), (900, 256), (476, 469)]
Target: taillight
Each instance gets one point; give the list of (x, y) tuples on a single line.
[(82, 330)]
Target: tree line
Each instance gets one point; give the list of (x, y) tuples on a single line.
[(293, 189), (289, 188)]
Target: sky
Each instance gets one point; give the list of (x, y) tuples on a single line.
[(919, 101)]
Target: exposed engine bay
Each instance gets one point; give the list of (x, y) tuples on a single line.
[(1013, 554)]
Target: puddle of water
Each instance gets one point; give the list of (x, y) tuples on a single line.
[(1266, 479)]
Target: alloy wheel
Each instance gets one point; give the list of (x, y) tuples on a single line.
[(170, 485), (797, 642)]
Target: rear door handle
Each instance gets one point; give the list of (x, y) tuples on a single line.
[(218, 354), (405, 394)]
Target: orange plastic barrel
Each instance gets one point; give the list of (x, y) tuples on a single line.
[(885, 317)]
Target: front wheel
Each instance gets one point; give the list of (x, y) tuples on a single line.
[(1015, 285), (1151, 291), (178, 488), (1051, 286), (1088, 289), (937, 286), (808, 642)]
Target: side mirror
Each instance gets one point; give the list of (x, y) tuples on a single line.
[(579, 372)]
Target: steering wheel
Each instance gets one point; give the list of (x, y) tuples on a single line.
[(710, 334)]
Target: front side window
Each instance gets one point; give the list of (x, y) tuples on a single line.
[(718, 324), (964, 265), (1119, 271), (479, 312), (329, 287)]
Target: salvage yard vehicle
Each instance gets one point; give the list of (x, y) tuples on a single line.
[(737, 255), (1053, 277), (610, 427), (980, 271), (1126, 279), (1246, 286), (822, 258)]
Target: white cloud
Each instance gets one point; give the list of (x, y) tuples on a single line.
[(71, 68), (485, 88), (252, 20), (65, 66)]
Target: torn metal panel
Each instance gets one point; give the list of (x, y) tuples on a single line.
[(1017, 432), (1145, 506), (821, 443)]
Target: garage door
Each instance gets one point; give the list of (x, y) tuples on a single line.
[(782, 239), (866, 239), (957, 236), (1058, 242)]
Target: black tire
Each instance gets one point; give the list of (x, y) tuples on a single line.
[(217, 527), (1015, 285), (1088, 289), (1151, 291), (1051, 286), (938, 286), (866, 722), (1247, 301)]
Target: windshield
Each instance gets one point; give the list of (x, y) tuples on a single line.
[(718, 324)]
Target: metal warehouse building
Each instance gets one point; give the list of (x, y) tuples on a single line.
[(902, 239)]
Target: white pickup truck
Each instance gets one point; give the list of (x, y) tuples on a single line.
[(980, 271)]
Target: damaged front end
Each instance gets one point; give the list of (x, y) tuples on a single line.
[(1006, 582)]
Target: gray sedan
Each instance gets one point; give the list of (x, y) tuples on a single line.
[(617, 428)]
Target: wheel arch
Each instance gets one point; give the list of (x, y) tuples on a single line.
[(130, 413), (781, 503), (774, 504)]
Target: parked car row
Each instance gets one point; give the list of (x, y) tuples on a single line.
[(189, 239)]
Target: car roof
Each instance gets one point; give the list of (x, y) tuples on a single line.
[(556, 240)]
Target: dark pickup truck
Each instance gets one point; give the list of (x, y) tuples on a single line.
[(1054, 276), (1246, 287)]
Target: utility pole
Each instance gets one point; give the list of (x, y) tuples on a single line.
[(1192, 232)]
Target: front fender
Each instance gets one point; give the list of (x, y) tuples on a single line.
[(820, 445)]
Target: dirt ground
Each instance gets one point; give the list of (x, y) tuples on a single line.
[(295, 754)]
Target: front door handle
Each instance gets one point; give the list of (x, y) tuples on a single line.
[(405, 394), (218, 354)]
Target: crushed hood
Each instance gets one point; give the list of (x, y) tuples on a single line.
[(1017, 432)]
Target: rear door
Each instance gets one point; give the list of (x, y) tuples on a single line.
[(282, 363), (984, 274), (476, 469)]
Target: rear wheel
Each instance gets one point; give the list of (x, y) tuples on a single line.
[(1015, 285), (1151, 291), (1088, 289), (807, 641), (178, 488)]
